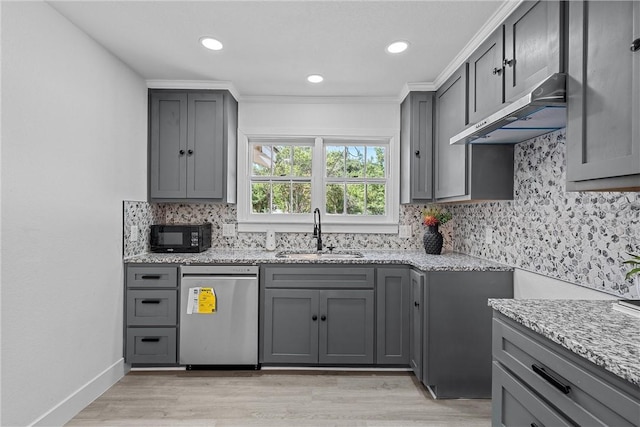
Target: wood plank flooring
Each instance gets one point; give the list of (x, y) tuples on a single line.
[(277, 398)]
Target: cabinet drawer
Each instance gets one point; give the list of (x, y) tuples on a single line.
[(319, 277), (153, 307), (152, 277), (515, 405), (151, 345), (569, 385)]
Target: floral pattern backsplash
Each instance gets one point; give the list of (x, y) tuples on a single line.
[(579, 237)]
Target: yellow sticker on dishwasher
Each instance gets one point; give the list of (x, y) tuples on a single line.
[(207, 301)]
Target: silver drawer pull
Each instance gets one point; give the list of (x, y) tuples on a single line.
[(551, 379)]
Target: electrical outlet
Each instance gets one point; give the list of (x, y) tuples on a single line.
[(228, 230), (488, 235), (404, 232), (134, 233)]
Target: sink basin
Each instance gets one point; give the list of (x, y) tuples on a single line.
[(319, 255)]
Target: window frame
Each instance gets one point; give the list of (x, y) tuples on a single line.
[(250, 222)]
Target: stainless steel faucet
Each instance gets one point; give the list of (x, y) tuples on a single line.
[(317, 227)]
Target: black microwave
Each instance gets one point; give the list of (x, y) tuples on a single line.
[(180, 238)]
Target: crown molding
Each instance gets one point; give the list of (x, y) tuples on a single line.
[(279, 99), (487, 29), (194, 84)]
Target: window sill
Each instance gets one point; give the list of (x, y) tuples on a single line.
[(307, 227)]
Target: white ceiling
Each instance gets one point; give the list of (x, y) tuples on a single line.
[(271, 46)]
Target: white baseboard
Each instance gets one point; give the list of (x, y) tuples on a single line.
[(78, 400)]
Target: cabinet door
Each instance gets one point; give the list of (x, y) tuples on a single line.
[(417, 289), (393, 313), (486, 78), (451, 118), (346, 327), (205, 146), (603, 88), (416, 140), (291, 326), (531, 46), (168, 145)]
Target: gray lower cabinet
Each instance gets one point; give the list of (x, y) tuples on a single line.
[(416, 305), (190, 136), (603, 90), (466, 172), (393, 315), (416, 147), (151, 313), (317, 315), (456, 339), (538, 382)]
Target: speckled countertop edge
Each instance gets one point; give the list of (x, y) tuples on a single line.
[(590, 329), (418, 259)]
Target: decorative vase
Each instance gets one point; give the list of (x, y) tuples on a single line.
[(433, 240)]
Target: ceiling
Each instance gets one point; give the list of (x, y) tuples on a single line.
[(270, 47)]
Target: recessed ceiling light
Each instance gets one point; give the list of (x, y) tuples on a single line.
[(397, 47), (211, 43), (315, 78)]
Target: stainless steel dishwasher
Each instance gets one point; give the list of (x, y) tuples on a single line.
[(228, 335)]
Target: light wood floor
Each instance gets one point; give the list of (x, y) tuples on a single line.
[(277, 398)]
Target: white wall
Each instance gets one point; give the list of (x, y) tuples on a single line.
[(528, 285), (73, 147)]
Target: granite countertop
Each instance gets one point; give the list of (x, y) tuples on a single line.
[(591, 329), (415, 258)]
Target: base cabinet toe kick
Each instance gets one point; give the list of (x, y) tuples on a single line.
[(537, 382)]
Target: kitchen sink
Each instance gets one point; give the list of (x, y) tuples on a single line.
[(319, 255)]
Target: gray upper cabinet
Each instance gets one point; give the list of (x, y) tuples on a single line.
[(485, 77), (533, 46), (519, 55), (603, 127), (416, 146), (451, 118), (467, 172), (392, 315), (191, 133)]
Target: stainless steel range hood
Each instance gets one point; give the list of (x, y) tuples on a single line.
[(541, 111)]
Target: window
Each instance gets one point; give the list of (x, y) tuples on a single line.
[(349, 179), (280, 177)]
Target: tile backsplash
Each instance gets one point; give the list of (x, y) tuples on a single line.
[(579, 237)]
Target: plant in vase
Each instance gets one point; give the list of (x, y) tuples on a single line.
[(433, 217), (634, 262)]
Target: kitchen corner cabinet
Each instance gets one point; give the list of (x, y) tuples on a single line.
[(416, 306), (151, 314), (393, 312), (466, 172), (603, 90), (416, 147), (456, 337), (520, 54), (191, 135), (318, 315), (538, 382)]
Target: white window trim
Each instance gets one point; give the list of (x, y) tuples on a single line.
[(303, 223)]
